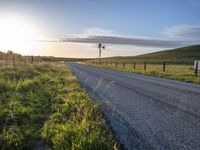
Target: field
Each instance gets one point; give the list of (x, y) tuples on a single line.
[(183, 55), (43, 107), (10, 58), (181, 72), (179, 63)]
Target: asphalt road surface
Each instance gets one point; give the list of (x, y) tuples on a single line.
[(145, 112)]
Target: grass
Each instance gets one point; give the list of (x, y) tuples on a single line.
[(179, 63), (181, 55), (43, 106), (176, 72)]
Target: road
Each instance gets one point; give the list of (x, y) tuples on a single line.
[(145, 112)]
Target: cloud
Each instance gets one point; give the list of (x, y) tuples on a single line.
[(183, 32), (106, 36), (195, 2), (124, 41), (97, 32), (93, 3), (172, 37), (105, 32)]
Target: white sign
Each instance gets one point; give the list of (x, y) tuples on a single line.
[(195, 64)]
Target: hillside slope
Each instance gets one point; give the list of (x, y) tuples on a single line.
[(186, 54)]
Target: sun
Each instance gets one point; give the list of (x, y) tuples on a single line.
[(17, 33)]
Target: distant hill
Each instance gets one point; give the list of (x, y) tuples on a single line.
[(10, 54), (184, 54)]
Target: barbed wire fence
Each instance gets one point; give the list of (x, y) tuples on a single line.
[(13, 59), (161, 66)]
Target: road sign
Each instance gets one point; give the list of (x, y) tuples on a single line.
[(197, 64)]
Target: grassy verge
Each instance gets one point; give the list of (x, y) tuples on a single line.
[(43, 106), (175, 72)]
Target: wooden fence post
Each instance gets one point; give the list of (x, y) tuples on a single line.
[(134, 66), (164, 65), (7, 63), (38, 59), (25, 60), (145, 66), (13, 60), (32, 60), (116, 64), (196, 69), (124, 65)]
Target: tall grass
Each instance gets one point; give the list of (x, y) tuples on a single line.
[(43, 106)]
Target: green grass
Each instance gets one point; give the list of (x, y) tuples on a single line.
[(44, 106), (185, 55), (179, 63), (181, 54), (175, 72)]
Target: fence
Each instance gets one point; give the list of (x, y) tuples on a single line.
[(12, 59), (163, 67)]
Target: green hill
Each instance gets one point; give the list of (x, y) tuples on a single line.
[(185, 54), (188, 53)]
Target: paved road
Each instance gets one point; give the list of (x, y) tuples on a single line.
[(145, 112)]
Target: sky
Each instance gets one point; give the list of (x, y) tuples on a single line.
[(73, 28)]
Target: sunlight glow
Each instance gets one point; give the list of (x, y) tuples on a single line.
[(17, 34)]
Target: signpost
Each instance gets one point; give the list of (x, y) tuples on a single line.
[(196, 66)]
